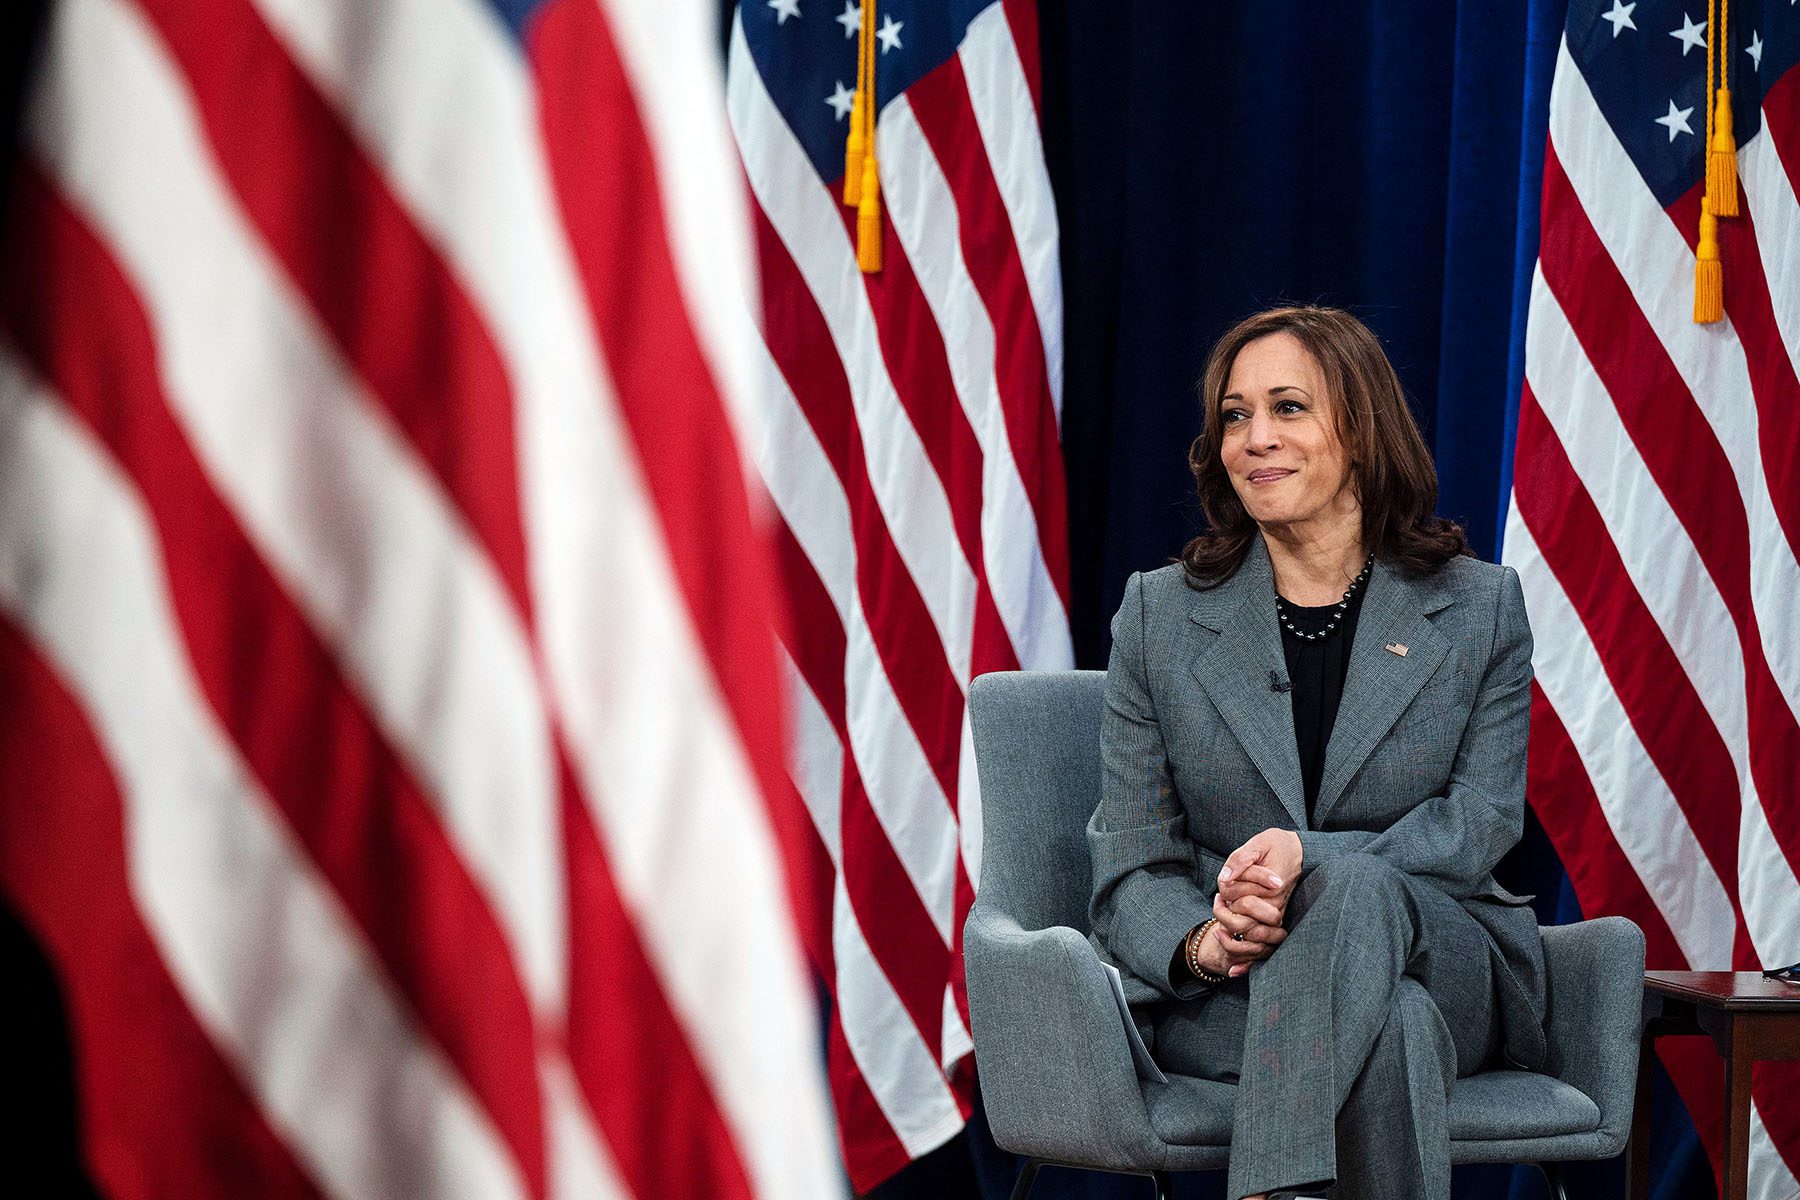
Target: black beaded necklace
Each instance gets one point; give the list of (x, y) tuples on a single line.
[(1337, 615)]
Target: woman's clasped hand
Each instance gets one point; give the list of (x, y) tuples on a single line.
[(1251, 904)]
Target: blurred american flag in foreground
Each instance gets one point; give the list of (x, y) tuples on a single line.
[(391, 745)]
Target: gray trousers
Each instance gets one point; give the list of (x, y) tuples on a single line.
[(1345, 1040)]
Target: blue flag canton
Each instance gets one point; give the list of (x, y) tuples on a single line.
[(805, 51), (1646, 65)]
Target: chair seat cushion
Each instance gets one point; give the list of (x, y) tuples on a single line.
[(1518, 1104), (1491, 1106), (1191, 1112)]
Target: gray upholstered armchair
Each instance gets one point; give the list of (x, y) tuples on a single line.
[(1056, 1068)]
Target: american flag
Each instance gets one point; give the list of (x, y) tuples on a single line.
[(912, 454), (1655, 512), (391, 762)]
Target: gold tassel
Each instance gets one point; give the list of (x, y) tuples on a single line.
[(868, 220), (1721, 160), (862, 108), (867, 184), (1709, 272), (1721, 144), (854, 149)]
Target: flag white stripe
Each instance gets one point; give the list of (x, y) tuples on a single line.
[(1648, 825), (624, 659), (1768, 1176), (920, 204), (1659, 268), (258, 945), (358, 531), (580, 1166), (1001, 98), (896, 773), (1666, 572), (893, 1061), (910, 494), (671, 53), (804, 487), (1776, 211)]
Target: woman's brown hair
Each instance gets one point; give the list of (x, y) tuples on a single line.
[(1390, 466)]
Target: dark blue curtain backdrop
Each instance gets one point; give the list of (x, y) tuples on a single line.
[(1213, 159)]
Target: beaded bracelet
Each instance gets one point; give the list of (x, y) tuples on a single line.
[(1196, 938)]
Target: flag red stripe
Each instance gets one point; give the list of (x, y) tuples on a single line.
[(604, 175), (912, 346), (814, 917), (1685, 459), (1772, 378), (1655, 691), (900, 932), (907, 640), (274, 687), (815, 638), (941, 103), (622, 1033), (392, 306), (1022, 16), (162, 1113), (1781, 123)]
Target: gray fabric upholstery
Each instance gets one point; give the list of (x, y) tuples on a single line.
[(1056, 1070), (1525, 1103)]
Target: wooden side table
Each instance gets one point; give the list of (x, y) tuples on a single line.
[(1748, 1018)]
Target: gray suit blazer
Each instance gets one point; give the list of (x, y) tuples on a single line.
[(1425, 767)]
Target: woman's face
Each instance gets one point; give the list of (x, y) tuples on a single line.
[(1280, 442)]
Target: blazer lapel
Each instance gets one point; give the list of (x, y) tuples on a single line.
[(1238, 671), (1381, 682)]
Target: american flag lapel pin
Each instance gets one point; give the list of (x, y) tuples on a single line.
[(1396, 648)]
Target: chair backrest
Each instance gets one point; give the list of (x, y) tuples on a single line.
[(1037, 750)]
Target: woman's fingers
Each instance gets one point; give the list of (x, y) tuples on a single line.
[(1252, 881), (1258, 909), (1244, 856), (1243, 937), (1232, 921)]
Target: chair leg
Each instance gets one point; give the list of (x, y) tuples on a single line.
[(1161, 1180), (1027, 1177), (1553, 1179)]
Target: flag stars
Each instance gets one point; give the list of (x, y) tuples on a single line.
[(889, 33), (1754, 49), (1690, 35), (841, 100), (1620, 16), (850, 18), (785, 9), (1677, 121)]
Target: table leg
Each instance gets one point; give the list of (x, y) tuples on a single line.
[(1637, 1169), (1737, 1115)]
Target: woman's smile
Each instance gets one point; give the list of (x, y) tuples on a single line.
[(1266, 475)]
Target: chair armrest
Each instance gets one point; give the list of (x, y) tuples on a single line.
[(1594, 981), (1057, 1079)]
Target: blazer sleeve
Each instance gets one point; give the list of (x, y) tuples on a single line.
[(1146, 896), (1455, 840)]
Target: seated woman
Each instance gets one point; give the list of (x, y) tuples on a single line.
[(1314, 754)]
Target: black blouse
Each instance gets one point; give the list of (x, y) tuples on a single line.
[(1316, 671)]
